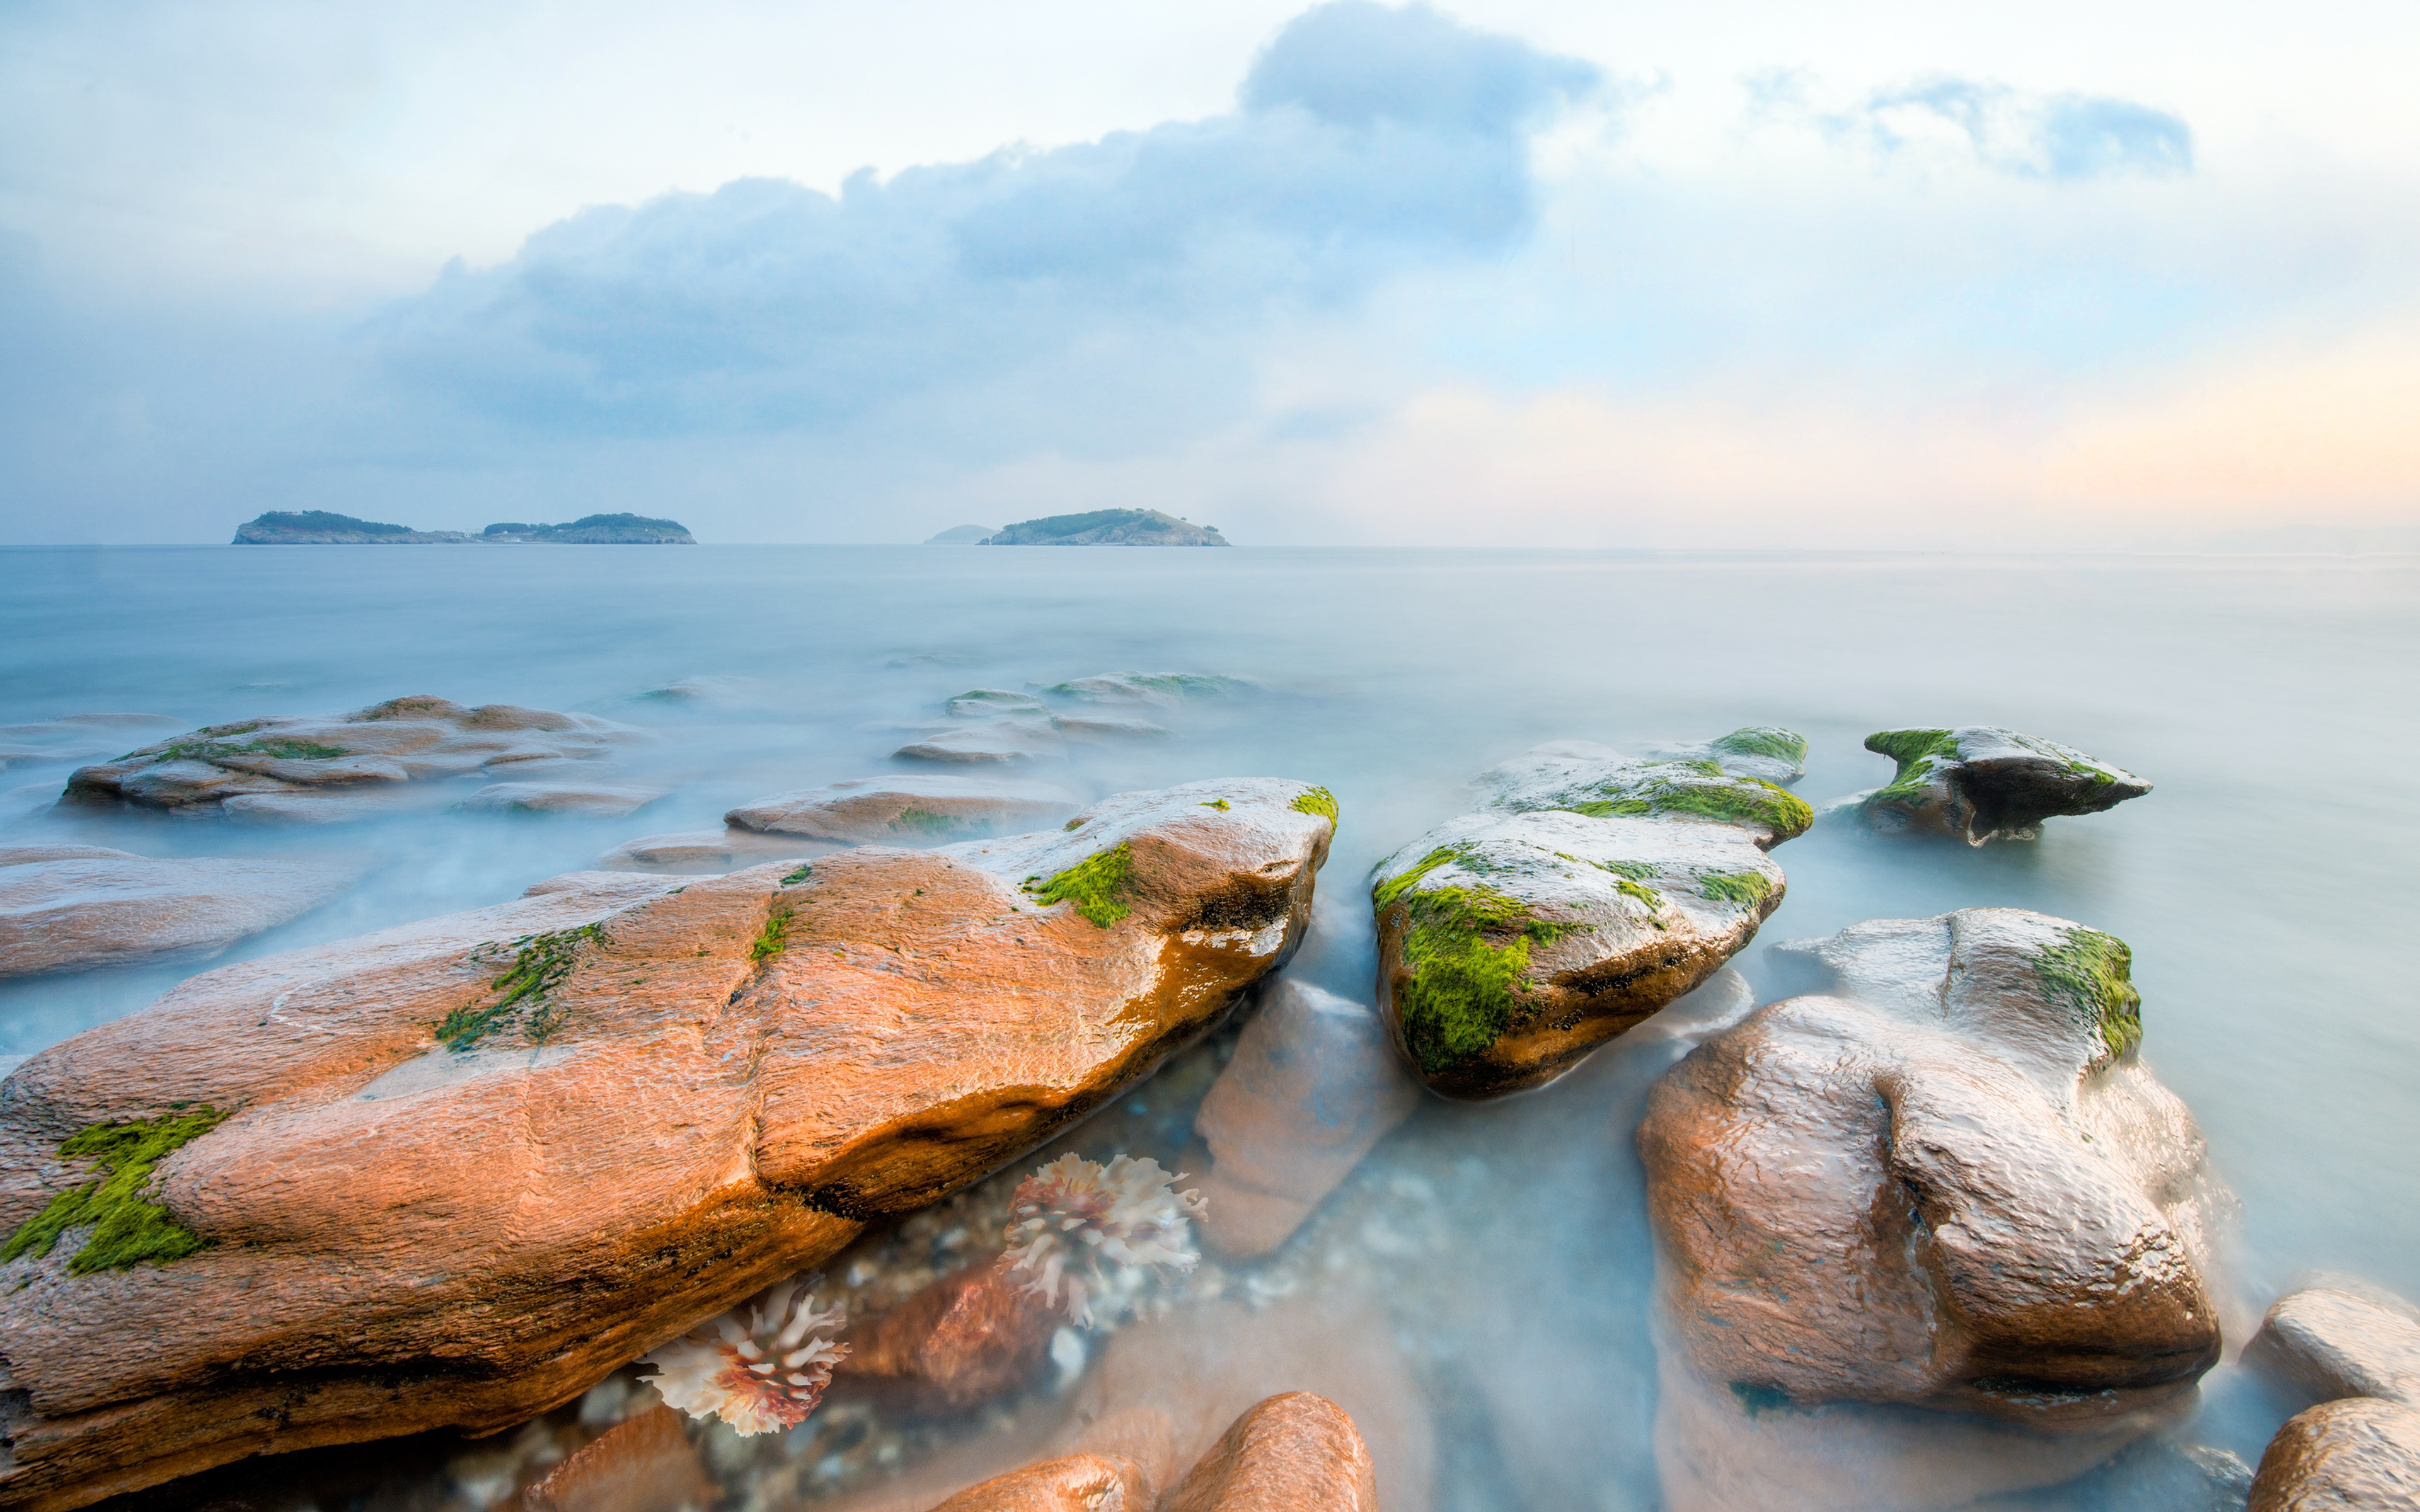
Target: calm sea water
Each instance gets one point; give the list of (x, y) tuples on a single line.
[(2264, 885)]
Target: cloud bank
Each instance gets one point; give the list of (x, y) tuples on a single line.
[(1367, 140)]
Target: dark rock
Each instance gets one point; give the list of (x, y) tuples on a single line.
[(2358, 1455), (1982, 784)]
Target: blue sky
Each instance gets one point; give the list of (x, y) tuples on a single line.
[(1507, 273)]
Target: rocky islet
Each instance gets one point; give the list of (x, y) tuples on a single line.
[(1981, 783)]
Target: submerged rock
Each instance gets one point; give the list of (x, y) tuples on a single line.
[(2357, 1455), (646, 1464), (699, 851), (594, 800), (1766, 751), (297, 758), (913, 809), (1071, 1483), (1949, 1184), (454, 1173), (68, 907), (1297, 1452), (1154, 689), (1001, 741), (1313, 1084), (967, 1336), (1982, 784), (1592, 890)]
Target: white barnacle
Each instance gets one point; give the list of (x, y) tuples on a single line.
[(761, 1367), (1089, 1234)]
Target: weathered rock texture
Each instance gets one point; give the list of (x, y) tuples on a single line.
[(1982, 784), (467, 1166), (1948, 1185), (1592, 890), (2357, 1350), (966, 1337), (65, 906), (1071, 1483), (1313, 1084), (296, 758), (2358, 1455), (914, 810), (2341, 1339), (646, 1464)]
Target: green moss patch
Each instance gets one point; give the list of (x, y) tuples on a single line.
[(1916, 751), (2092, 974), (541, 961), (799, 875), (1732, 801), (1097, 886), (1464, 989), (923, 822), (1748, 889), (1219, 804), (1317, 801), (1764, 740), (128, 1227), (773, 938)]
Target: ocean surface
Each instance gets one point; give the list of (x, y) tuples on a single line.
[(2264, 886)]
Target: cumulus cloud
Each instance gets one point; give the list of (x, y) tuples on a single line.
[(1366, 140), (2058, 137)]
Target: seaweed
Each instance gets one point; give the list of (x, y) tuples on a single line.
[(1764, 740), (1097, 884), (2092, 973), (541, 961), (1748, 889), (1914, 750), (773, 938), (1317, 801), (1461, 991), (128, 1227)]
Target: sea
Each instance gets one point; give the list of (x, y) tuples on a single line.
[(2264, 885)]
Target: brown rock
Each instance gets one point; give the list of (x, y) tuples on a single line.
[(1071, 1483), (2341, 1340), (402, 740), (646, 1464), (660, 1100), (1940, 1188), (705, 851), (65, 906), (967, 1336), (1313, 1084), (593, 799), (1592, 890), (1292, 1453), (915, 809), (2359, 1455)]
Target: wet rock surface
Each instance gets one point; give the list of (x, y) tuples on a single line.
[(965, 1338), (646, 1464), (1590, 893), (346, 758), (2341, 1339), (2358, 1455), (1313, 1084), (1949, 1184), (594, 800), (1294, 1452), (918, 808), (1982, 784), (706, 852), (68, 907), (455, 1172)]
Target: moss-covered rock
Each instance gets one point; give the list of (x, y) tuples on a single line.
[(1592, 890), (1982, 783)]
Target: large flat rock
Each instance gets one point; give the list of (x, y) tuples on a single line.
[(1591, 891), (911, 809), (68, 906), (462, 1169), (296, 759), (1948, 1184)]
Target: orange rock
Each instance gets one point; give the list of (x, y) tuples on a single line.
[(1071, 1483), (646, 1464), (1292, 1453), (969, 1336), (2358, 1455), (658, 1100), (1313, 1085)]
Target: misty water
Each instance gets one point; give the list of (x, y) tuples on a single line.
[(2261, 886)]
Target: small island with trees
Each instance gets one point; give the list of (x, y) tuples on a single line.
[(321, 527), (1099, 527)]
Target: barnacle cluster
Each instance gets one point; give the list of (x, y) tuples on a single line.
[(1091, 1235), (761, 1367)]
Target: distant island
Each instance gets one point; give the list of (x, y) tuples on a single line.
[(319, 527), (1108, 527), (964, 536)]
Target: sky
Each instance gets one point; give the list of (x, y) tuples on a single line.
[(1510, 273)]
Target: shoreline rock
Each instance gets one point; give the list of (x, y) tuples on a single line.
[(347, 760), (1982, 784), (2356, 1349), (918, 808), (1592, 890), (74, 907), (454, 1173), (1948, 1185)]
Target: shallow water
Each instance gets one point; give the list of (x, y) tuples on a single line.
[(2260, 886)]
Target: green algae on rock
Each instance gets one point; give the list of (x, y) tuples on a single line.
[(1981, 782), (127, 1226), (1590, 892), (1097, 886)]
